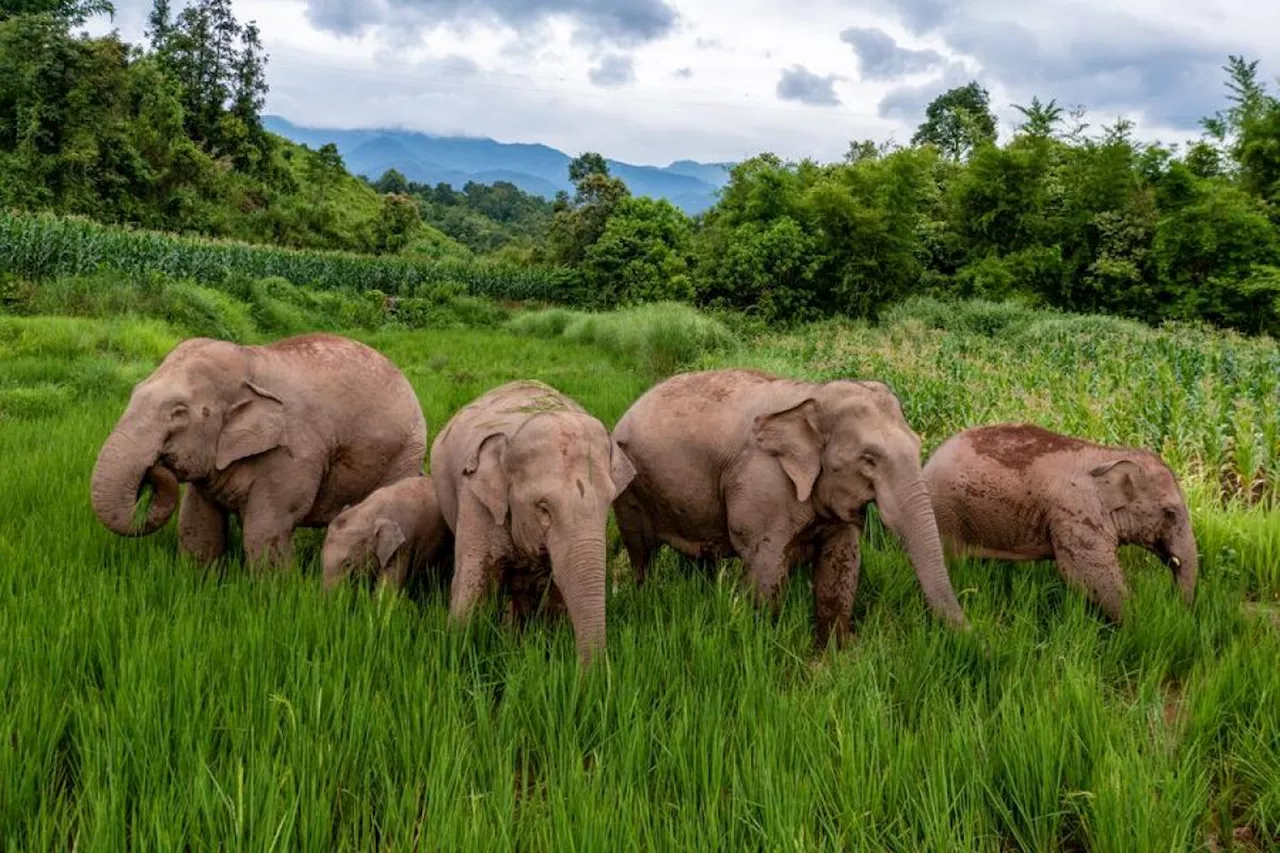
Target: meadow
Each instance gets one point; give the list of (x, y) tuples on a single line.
[(147, 703)]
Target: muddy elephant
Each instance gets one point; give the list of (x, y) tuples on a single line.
[(283, 435), (398, 529), (775, 471), (1020, 492), (525, 477)]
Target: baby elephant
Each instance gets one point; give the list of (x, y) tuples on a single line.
[(1019, 492), (399, 527), (525, 479)]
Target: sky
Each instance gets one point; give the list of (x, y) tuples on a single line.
[(652, 81)]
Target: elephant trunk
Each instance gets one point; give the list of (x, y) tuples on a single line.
[(578, 569), (124, 464), (915, 525), (1184, 561)]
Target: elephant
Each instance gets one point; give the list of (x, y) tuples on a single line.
[(283, 435), (778, 472), (398, 526), (525, 478), (1020, 492)]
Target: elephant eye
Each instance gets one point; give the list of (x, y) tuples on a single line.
[(180, 410), (1170, 513), (869, 459)]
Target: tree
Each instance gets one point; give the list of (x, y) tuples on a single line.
[(641, 256), (957, 121), (586, 164), (1041, 119), (577, 225), (71, 13)]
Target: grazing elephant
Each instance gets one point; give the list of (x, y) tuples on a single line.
[(777, 471), (285, 435), (398, 526), (525, 478), (1020, 492)]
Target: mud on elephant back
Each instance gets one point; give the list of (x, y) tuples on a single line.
[(283, 435)]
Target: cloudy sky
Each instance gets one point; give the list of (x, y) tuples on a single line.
[(651, 81)]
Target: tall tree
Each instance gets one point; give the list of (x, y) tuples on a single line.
[(73, 13), (1041, 120), (957, 121)]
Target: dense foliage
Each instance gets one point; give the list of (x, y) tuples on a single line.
[(170, 136), (486, 218), (1055, 215)]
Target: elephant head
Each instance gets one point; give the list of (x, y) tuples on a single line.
[(197, 414), (1148, 508), (355, 539), (554, 478), (848, 444)]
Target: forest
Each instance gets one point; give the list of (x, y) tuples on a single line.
[(1059, 213)]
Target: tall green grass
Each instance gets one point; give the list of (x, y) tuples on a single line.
[(41, 246), (147, 703), (657, 338)]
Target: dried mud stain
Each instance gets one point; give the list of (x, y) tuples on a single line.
[(1017, 446)]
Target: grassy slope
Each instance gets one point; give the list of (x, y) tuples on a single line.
[(153, 702), (355, 204)]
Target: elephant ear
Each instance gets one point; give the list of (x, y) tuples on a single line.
[(488, 478), (255, 424), (1119, 483), (387, 538), (621, 471), (791, 437)]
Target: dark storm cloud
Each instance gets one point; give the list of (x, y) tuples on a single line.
[(620, 22), (799, 84), (1103, 58), (613, 70), (880, 57)]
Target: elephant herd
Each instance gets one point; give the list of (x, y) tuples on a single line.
[(322, 431)]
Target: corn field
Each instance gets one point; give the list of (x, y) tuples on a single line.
[(42, 246)]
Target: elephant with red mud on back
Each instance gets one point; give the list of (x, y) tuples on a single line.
[(284, 435), (1020, 492)]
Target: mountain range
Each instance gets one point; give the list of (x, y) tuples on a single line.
[(537, 169)]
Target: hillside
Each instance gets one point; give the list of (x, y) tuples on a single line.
[(537, 169)]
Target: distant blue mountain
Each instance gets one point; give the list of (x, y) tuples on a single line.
[(537, 169)]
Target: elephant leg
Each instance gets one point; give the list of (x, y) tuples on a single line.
[(1090, 564), (202, 526), (479, 549), (270, 516), (763, 546), (835, 582), (637, 534)]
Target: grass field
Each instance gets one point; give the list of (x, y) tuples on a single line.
[(146, 703)]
